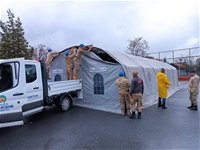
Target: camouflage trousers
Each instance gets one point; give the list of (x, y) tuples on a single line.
[(124, 98), (48, 65), (193, 99), (136, 98), (69, 75), (76, 70)]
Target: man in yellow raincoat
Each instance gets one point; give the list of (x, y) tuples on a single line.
[(163, 85)]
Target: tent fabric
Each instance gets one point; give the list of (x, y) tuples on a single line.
[(99, 71)]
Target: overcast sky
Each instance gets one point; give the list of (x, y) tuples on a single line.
[(165, 25)]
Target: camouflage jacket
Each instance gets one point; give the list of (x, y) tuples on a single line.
[(80, 51), (69, 59), (50, 56), (193, 84), (123, 84)]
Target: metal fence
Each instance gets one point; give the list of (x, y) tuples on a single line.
[(182, 59)]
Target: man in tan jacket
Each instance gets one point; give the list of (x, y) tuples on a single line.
[(69, 63), (80, 51), (49, 59), (123, 85), (193, 89)]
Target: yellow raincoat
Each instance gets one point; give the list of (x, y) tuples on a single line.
[(163, 84)]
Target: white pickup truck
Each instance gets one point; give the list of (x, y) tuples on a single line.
[(24, 90)]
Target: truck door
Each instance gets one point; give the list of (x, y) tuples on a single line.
[(34, 88), (12, 91)]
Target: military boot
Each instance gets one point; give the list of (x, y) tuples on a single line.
[(189, 107), (163, 106), (139, 115), (132, 116), (159, 102), (194, 107)]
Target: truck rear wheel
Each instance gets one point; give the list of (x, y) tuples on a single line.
[(65, 104)]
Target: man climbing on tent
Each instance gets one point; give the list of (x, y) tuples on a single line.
[(49, 59), (163, 85), (136, 92), (123, 85), (193, 89), (69, 63), (80, 51)]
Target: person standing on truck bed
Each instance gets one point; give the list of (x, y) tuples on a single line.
[(80, 51), (69, 63), (49, 59)]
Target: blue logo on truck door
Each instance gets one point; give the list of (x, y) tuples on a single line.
[(33, 96), (4, 106)]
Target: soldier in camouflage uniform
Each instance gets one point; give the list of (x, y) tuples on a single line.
[(193, 89), (49, 59), (80, 51), (69, 63), (123, 85)]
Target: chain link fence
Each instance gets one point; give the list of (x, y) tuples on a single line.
[(183, 60)]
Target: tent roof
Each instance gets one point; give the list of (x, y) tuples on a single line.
[(125, 59)]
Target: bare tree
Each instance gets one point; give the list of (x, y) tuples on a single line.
[(188, 63), (137, 47), (40, 52)]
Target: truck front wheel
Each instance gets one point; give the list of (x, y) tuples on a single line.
[(65, 104)]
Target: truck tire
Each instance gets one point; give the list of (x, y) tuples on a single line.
[(65, 104)]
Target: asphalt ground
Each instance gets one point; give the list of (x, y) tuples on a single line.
[(82, 128)]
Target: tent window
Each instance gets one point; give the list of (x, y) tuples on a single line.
[(57, 78), (98, 84)]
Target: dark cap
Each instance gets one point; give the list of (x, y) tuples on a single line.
[(192, 71), (162, 70)]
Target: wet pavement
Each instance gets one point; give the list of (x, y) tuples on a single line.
[(82, 128)]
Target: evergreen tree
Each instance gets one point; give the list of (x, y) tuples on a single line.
[(12, 41), (165, 60)]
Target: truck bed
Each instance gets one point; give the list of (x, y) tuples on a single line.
[(59, 87)]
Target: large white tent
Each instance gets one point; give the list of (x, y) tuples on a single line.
[(99, 71)]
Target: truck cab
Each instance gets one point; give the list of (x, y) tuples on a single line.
[(24, 90)]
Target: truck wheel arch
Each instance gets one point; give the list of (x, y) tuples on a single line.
[(64, 103)]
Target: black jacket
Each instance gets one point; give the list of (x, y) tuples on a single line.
[(137, 86)]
